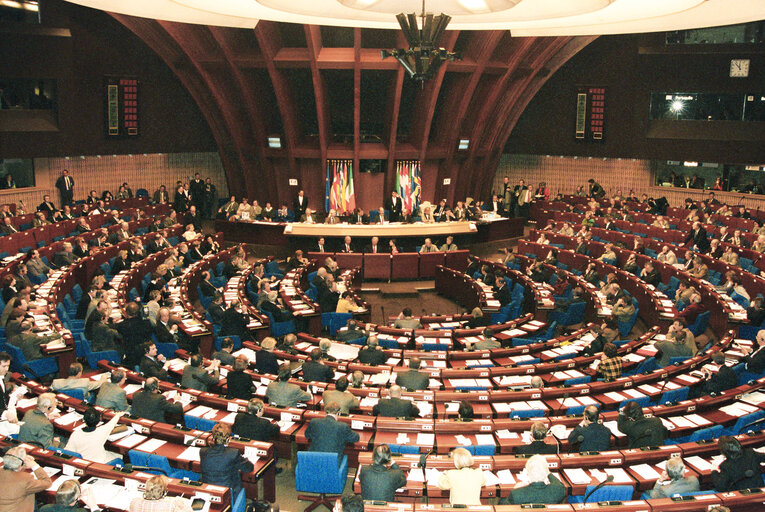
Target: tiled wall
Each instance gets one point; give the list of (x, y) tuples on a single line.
[(565, 174), (108, 172)]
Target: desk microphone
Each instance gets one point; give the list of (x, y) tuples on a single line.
[(610, 478), (129, 468), (747, 474), (423, 459), (192, 441), (382, 320)]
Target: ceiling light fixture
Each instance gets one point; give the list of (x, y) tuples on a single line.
[(423, 58)]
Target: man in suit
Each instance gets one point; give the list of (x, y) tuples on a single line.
[(543, 486), (300, 204), (372, 354), (161, 196), (428, 247), (19, 486), (153, 364), (111, 395), (314, 370), (405, 320), (238, 382), (449, 245), (413, 380), (347, 246), (265, 359), (693, 310), (196, 376), (166, 330), (589, 435), (75, 380), (395, 406), (382, 216), (329, 435), (640, 431), (29, 342), (320, 246), (224, 354), (270, 306), (378, 481), (374, 246), (234, 321), (539, 431), (340, 395), (216, 309), (755, 361), (252, 424), (37, 426), (502, 294), (351, 332), (395, 206), (359, 217), (65, 257), (739, 241), (134, 331), (7, 227), (495, 205), (6, 387), (488, 342), (283, 393), (698, 238), (47, 207), (673, 482), (150, 404)]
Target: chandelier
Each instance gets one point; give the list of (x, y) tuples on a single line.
[(423, 58)]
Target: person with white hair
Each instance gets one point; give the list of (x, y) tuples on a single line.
[(464, 482), (37, 427), (19, 486), (672, 481), (543, 487)]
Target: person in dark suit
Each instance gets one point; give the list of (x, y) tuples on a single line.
[(134, 331), (238, 382), (314, 370), (698, 238), (372, 354), (152, 364), (359, 217), (725, 378), (6, 387), (234, 321), (640, 431), (265, 359), (740, 469), (413, 380), (270, 306), (395, 206), (47, 207), (543, 486), (216, 309), (351, 333), (208, 289), (502, 294), (329, 435), (221, 465), (378, 480), (374, 247), (150, 404), (755, 361), (589, 435), (224, 354), (539, 431), (196, 376), (65, 256), (395, 406), (166, 330), (65, 186), (253, 425), (299, 204)]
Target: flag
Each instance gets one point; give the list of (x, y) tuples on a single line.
[(340, 193), (408, 184)]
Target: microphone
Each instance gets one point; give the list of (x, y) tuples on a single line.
[(382, 320), (747, 474), (601, 484), (423, 459), (192, 441), (129, 468)]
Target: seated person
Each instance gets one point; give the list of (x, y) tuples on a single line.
[(740, 469), (372, 354), (149, 403), (379, 481), (543, 487), (112, 395), (314, 370), (224, 354), (196, 376), (239, 383), (283, 393), (395, 406), (610, 366), (89, 441), (413, 380), (36, 426), (75, 380), (640, 430), (341, 396), (590, 435), (673, 482), (539, 431), (253, 425), (465, 482)]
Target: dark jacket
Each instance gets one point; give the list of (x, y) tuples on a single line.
[(642, 432), (329, 435), (134, 333), (732, 477), (239, 385), (412, 380), (724, 379), (152, 368), (316, 372), (592, 438), (395, 408), (537, 492), (266, 362), (221, 466), (372, 356), (379, 483), (152, 406), (255, 428)]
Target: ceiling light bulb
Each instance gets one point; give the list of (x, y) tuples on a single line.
[(474, 6)]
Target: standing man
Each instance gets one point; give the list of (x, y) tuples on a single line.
[(522, 198), (65, 186), (395, 206), (210, 199), (507, 196), (197, 189), (300, 204)]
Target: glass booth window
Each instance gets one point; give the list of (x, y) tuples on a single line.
[(16, 173)]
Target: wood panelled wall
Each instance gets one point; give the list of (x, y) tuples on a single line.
[(108, 172), (564, 174)]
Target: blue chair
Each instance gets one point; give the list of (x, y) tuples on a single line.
[(502, 315), (312, 293), (700, 325), (577, 380), (138, 458), (280, 328), (163, 466), (94, 357), (31, 369), (748, 332), (528, 413), (605, 493), (740, 300), (626, 327), (744, 421), (674, 395), (142, 192), (572, 316), (167, 349), (482, 449), (319, 472), (240, 502), (272, 269), (78, 393), (197, 423)]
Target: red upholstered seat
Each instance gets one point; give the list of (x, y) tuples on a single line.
[(457, 260)]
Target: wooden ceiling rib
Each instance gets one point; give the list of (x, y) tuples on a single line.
[(481, 99)]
